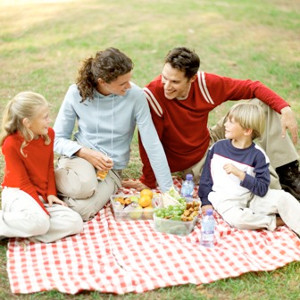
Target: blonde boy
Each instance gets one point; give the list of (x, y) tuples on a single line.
[(236, 178)]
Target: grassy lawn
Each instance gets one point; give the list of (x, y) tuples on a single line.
[(43, 42)]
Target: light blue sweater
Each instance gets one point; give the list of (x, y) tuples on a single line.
[(107, 123)]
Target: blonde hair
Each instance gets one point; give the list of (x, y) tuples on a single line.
[(249, 116), (23, 105)]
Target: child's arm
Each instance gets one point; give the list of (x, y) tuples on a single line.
[(231, 169), (257, 184)]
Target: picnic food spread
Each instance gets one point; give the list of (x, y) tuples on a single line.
[(170, 211), (134, 207), (176, 216)]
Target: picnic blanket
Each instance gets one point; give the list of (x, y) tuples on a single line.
[(130, 256)]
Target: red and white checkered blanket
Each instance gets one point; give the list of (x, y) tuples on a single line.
[(130, 256)]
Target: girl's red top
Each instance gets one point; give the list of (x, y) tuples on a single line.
[(32, 173)]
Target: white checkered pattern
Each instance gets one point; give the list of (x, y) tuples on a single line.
[(129, 256)]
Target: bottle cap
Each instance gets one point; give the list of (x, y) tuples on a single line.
[(189, 177), (209, 212)]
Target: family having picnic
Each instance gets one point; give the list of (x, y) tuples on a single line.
[(251, 184)]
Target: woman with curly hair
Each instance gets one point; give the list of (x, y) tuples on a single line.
[(105, 107)]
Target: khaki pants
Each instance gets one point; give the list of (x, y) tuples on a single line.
[(271, 141), (77, 183), (21, 216), (258, 212)]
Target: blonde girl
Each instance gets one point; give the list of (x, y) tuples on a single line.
[(30, 206)]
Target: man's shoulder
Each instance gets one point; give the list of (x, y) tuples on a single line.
[(155, 81), (154, 93), (154, 86)]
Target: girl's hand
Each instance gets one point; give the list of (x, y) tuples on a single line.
[(53, 199)]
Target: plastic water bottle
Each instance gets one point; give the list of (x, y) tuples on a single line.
[(208, 229), (187, 188)]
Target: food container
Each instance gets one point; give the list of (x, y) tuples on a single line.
[(174, 227), (132, 211)]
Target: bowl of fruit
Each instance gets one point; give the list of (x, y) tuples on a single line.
[(176, 216), (139, 206)]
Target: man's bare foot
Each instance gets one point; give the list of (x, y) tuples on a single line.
[(133, 184), (279, 222)]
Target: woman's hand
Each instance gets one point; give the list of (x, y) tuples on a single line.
[(98, 159), (53, 199)]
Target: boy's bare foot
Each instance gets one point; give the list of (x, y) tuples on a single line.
[(133, 184), (279, 222)]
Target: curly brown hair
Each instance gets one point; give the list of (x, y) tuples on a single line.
[(107, 65)]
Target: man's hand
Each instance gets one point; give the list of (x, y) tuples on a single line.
[(98, 159), (134, 184), (288, 121)]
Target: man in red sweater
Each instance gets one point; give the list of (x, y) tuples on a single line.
[(180, 100)]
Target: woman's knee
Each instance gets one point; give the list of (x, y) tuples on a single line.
[(88, 208), (75, 185)]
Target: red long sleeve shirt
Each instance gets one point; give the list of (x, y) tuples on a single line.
[(182, 124), (33, 174)]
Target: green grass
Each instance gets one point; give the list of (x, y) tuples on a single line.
[(43, 42)]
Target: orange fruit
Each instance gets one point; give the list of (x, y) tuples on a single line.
[(145, 192), (145, 200)]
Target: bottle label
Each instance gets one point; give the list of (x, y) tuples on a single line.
[(187, 189), (208, 236)]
